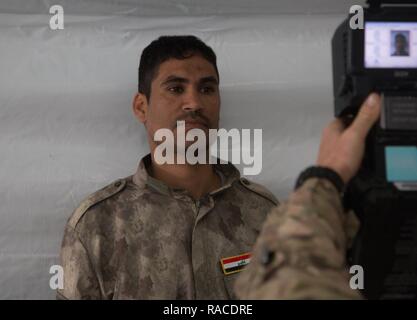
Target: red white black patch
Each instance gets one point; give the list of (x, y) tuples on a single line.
[(235, 264)]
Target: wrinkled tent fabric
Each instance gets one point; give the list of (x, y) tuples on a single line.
[(66, 126)]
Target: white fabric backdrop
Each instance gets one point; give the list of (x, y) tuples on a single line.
[(66, 127)]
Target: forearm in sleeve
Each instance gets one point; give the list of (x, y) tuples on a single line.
[(301, 251)]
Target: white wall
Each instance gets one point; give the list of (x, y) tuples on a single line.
[(66, 126)]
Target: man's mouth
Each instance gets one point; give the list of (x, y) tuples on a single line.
[(195, 123)]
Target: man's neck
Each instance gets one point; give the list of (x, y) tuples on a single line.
[(198, 179)]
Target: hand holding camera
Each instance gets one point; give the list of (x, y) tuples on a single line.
[(342, 149)]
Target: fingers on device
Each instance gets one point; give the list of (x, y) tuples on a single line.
[(382, 57)]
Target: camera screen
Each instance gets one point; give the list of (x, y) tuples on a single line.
[(401, 163), (391, 45)]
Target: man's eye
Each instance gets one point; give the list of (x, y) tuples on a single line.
[(208, 89), (176, 89)]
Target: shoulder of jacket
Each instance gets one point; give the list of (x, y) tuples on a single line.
[(98, 196), (259, 189)]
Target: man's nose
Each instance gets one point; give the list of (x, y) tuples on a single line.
[(192, 101)]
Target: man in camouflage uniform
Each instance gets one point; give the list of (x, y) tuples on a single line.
[(170, 231), (301, 251)]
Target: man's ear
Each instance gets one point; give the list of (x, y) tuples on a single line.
[(140, 107)]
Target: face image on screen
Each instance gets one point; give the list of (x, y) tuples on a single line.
[(400, 43), (391, 45)]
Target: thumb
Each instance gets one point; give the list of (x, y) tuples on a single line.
[(367, 115)]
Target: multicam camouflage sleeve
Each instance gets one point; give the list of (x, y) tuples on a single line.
[(301, 251)]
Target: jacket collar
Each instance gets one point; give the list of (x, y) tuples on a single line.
[(227, 172)]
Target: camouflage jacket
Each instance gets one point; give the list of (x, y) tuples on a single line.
[(301, 251), (139, 239)]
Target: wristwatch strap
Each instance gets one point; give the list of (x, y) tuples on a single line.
[(321, 172)]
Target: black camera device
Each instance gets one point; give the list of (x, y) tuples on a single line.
[(382, 57)]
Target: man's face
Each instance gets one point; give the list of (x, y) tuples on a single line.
[(183, 90), (400, 43)]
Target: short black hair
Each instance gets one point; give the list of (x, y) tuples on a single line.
[(400, 36), (167, 47)]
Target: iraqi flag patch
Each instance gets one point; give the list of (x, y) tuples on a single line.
[(235, 264)]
